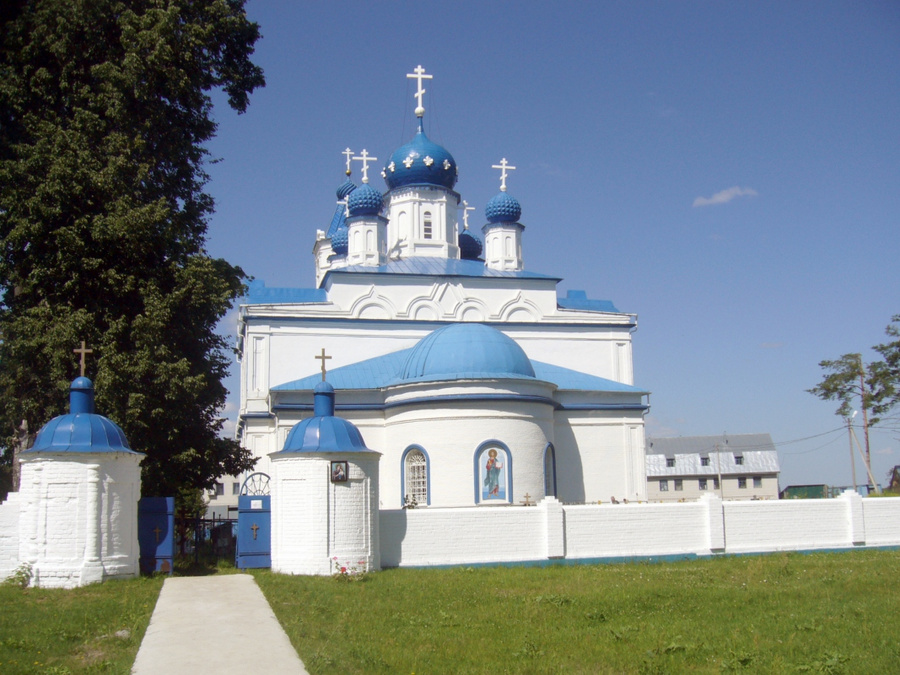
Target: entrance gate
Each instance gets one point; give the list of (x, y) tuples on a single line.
[(254, 541)]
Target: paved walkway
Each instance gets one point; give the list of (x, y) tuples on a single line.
[(219, 624)]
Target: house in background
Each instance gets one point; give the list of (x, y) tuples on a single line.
[(742, 466)]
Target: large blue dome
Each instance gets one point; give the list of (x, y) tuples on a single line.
[(81, 430), (420, 162), (503, 208), (466, 351), (365, 201), (324, 432)]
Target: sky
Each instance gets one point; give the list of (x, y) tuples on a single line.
[(727, 171)]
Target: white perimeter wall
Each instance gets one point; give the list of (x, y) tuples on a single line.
[(473, 535)]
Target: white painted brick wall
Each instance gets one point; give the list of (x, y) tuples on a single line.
[(882, 520), (9, 535)]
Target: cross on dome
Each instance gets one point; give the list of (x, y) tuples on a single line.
[(466, 209), (348, 153), (504, 167), (365, 159), (323, 358), (419, 74), (84, 351)]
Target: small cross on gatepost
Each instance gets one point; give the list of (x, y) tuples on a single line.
[(348, 153), (504, 167), (419, 74), (466, 209), (365, 158), (322, 358), (527, 501), (84, 351), (255, 529)]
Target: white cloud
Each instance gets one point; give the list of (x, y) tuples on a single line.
[(726, 196)]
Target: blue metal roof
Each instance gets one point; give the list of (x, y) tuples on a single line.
[(579, 300), (338, 219), (383, 371), (81, 430), (446, 267), (259, 294), (324, 432)]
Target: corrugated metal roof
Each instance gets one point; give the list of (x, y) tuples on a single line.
[(426, 266), (757, 454), (338, 219)]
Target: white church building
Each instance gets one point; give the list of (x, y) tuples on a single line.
[(476, 382)]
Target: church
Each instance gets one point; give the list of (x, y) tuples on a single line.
[(476, 382)]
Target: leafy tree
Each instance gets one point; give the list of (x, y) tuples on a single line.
[(104, 112)]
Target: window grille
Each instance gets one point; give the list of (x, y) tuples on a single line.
[(417, 477)]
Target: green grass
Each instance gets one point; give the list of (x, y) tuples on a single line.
[(784, 613), (94, 629)]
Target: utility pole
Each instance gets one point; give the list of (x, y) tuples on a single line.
[(865, 404)]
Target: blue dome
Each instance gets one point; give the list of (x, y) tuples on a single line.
[(466, 351), (324, 432), (503, 208), (81, 430), (470, 246), (420, 162), (345, 189), (365, 201), (340, 240)]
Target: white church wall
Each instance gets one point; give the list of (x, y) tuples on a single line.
[(9, 534), (442, 536)]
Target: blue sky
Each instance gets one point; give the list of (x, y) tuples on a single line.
[(727, 171)]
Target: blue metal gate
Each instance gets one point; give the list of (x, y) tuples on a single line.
[(156, 534), (254, 541)]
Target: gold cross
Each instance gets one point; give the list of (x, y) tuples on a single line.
[(255, 529), (83, 351), (157, 531), (322, 358), (528, 501)]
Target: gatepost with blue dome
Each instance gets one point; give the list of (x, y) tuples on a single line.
[(78, 498), (476, 381)]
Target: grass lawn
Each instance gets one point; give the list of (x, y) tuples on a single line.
[(94, 629), (784, 613)]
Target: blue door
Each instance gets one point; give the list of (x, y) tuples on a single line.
[(254, 541), (156, 534)]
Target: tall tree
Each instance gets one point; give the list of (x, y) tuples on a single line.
[(104, 112), (887, 387)]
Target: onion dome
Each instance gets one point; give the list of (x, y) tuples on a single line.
[(503, 208), (466, 351), (365, 201), (345, 189), (81, 430), (470, 246), (420, 162), (340, 240), (323, 432)]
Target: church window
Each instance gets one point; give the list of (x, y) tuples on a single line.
[(415, 477), (663, 486), (370, 240), (701, 484), (509, 248), (679, 485), (549, 471), (493, 473), (426, 225), (757, 482), (742, 483), (704, 461), (670, 462)]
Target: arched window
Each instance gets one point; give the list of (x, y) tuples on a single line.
[(415, 477), (493, 473), (549, 471), (426, 225)]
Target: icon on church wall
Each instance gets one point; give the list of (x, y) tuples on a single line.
[(339, 472), (493, 464)]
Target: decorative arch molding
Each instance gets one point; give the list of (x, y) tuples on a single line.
[(373, 306), (406, 480), (493, 482), (472, 310), (424, 309), (519, 309), (549, 464)]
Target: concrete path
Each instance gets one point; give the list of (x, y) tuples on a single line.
[(219, 624)]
